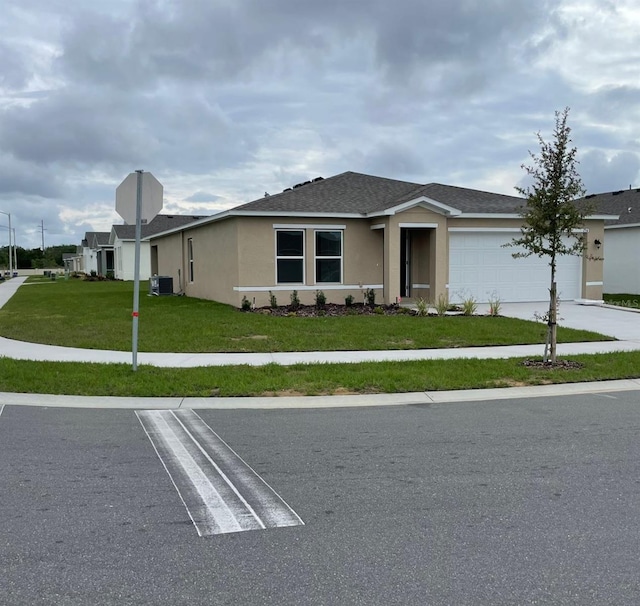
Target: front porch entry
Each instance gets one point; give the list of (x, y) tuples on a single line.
[(415, 262)]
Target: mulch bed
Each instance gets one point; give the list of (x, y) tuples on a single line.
[(334, 309)]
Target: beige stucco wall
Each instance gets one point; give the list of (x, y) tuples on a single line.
[(170, 259), (235, 257), (362, 265)]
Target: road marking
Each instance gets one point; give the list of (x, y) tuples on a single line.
[(220, 491)]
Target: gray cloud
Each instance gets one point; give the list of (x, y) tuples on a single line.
[(601, 173), (202, 196), (249, 96)]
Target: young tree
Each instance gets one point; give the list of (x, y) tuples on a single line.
[(552, 219)]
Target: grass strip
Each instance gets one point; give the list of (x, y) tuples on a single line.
[(319, 379)]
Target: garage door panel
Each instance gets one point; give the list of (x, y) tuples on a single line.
[(480, 267)]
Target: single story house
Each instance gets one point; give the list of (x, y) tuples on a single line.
[(353, 232), (97, 254), (123, 241), (621, 266)]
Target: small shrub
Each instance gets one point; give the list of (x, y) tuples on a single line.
[(295, 300), (246, 304), (110, 275), (94, 273), (495, 304), (273, 302), (378, 310), (422, 307), (469, 306), (348, 300), (442, 304), (321, 300), (370, 297)]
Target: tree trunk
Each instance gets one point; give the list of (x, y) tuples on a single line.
[(553, 326)]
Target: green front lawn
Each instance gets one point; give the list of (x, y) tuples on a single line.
[(97, 315)]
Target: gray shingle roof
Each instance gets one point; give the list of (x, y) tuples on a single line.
[(345, 193), (95, 238), (356, 193), (158, 224), (625, 202)]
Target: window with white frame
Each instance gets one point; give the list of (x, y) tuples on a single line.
[(290, 256), (190, 257), (328, 256)]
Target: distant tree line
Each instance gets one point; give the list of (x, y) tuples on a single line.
[(35, 258)]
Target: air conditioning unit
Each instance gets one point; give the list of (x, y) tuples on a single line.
[(160, 285)]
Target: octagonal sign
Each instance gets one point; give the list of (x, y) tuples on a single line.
[(127, 192)]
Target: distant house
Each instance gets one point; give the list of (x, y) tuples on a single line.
[(353, 232), (97, 254), (620, 247), (123, 238)]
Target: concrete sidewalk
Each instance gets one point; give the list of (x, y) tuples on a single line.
[(612, 322)]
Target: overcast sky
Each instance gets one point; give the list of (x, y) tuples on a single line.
[(223, 100)]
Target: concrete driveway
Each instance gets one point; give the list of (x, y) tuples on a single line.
[(607, 320)]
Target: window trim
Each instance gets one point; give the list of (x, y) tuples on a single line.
[(190, 259), (290, 257), (316, 256)]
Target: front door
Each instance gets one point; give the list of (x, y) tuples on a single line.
[(405, 262)]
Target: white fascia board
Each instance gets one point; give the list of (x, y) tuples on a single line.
[(489, 216), (307, 226), (622, 226), (602, 217), (419, 225), (377, 226), (483, 229), (423, 201), (279, 213)]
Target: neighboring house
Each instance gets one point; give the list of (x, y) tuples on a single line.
[(69, 261), (97, 253), (622, 235), (351, 232), (123, 240)]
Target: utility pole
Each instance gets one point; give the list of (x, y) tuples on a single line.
[(42, 230), (10, 259)]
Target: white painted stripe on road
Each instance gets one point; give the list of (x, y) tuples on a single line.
[(1, 408), (210, 513), (274, 510), (219, 490), (220, 472)]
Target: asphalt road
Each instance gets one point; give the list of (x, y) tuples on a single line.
[(532, 501)]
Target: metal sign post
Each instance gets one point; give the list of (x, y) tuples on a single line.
[(144, 204), (136, 273)]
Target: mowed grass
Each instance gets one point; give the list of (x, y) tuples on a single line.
[(320, 379), (97, 315)]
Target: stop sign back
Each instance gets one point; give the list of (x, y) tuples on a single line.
[(126, 194)]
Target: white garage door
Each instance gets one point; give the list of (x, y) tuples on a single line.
[(480, 267)]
